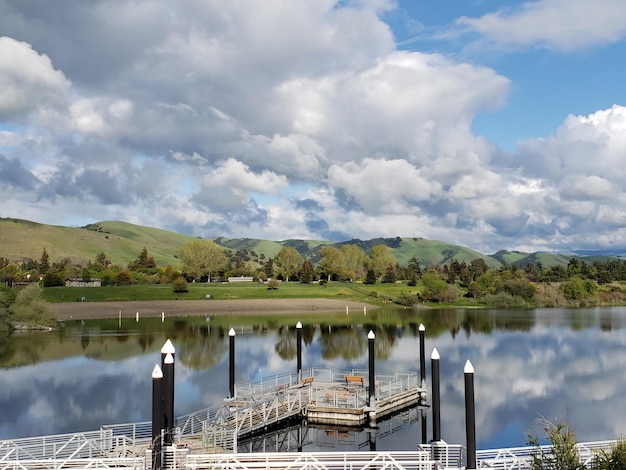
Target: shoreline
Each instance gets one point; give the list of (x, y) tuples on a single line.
[(150, 308)]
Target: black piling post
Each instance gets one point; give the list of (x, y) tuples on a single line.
[(299, 349), (422, 329), (424, 427), (231, 368), (470, 416), (168, 399), (157, 416), (434, 360), (372, 439), (167, 366), (372, 374)]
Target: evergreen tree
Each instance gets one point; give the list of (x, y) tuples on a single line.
[(306, 273), (370, 277), (390, 275), (44, 262)]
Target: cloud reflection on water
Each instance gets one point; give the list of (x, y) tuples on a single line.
[(556, 364)]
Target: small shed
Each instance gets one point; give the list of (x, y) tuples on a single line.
[(79, 282)]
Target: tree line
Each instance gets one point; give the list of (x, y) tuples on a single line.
[(205, 261)]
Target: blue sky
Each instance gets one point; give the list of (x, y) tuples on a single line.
[(490, 124)]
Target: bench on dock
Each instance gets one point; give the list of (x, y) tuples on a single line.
[(340, 395), (307, 381), (355, 379)]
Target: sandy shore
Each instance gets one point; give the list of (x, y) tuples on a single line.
[(86, 310)]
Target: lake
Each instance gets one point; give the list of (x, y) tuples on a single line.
[(566, 364)]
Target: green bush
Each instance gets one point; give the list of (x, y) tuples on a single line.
[(30, 308), (562, 455), (615, 459), (504, 300), (180, 285)]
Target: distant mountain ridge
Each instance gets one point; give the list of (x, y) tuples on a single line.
[(122, 242)]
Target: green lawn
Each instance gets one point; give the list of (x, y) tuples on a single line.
[(376, 293)]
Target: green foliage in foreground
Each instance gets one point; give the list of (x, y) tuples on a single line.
[(562, 453)]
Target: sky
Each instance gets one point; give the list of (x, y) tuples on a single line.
[(494, 125)]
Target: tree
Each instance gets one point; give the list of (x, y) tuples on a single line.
[(306, 273), (370, 277), (414, 265), (44, 262), (102, 261), (355, 261), (287, 262), (478, 267), (332, 262), (434, 287), (52, 279), (390, 275), (143, 261), (202, 258), (381, 257)]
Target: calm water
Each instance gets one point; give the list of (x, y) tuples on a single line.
[(556, 363)]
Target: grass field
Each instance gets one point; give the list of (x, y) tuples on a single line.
[(376, 293)]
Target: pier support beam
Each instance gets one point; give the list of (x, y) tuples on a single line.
[(167, 366), (157, 416), (372, 373), (231, 363), (299, 349), (422, 329), (470, 416), (434, 360)]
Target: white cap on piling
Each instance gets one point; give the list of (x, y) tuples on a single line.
[(298, 325), (169, 359), (157, 373), (231, 332), (371, 335), (168, 347), (469, 368), (422, 327), (435, 354)]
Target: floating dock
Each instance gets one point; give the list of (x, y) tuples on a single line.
[(320, 396)]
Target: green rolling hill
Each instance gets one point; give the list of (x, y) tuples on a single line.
[(122, 242)]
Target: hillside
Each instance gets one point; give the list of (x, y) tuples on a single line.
[(122, 242)]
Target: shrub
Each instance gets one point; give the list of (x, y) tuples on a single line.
[(615, 459), (504, 300), (272, 284), (406, 298), (30, 308), (123, 278), (563, 455), (180, 285)]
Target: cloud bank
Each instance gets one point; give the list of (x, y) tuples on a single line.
[(296, 119)]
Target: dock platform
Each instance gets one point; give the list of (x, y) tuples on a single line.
[(320, 396)]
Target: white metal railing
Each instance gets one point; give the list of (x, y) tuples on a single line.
[(141, 431), (314, 460), (136, 463), (521, 458), (434, 456), (447, 455), (64, 446)]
